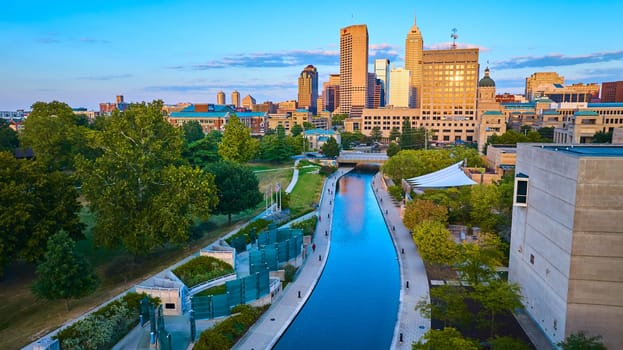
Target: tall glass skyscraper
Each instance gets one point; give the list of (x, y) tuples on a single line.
[(381, 69)]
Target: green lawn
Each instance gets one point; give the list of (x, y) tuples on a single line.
[(306, 193)]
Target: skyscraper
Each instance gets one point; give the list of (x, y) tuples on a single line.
[(235, 98), (331, 93), (381, 69), (220, 98), (414, 53), (353, 69), (308, 88), (400, 89)]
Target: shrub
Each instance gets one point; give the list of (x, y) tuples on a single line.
[(327, 170), (259, 225), (202, 269), (225, 334), (290, 272), (220, 289), (308, 226), (396, 192)]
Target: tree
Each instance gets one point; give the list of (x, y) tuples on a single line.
[(407, 137), (547, 133), (447, 304), (349, 138), (485, 200), (376, 134), (237, 187), (8, 137), (478, 260), (393, 149), (331, 148), (507, 343), (296, 130), (496, 297), (276, 147), (420, 210), (394, 134), (338, 119), (34, 205), (456, 199), (581, 341), (192, 131), (52, 132), (141, 200), (445, 339), (602, 137), (237, 144), (204, 151), (435, 243), (64, 274)]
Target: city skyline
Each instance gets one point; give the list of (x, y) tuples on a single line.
[(187, 51)]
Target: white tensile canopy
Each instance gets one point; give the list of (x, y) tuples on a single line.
[(451, 176)]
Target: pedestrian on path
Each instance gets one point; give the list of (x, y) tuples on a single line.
[(313, 247)]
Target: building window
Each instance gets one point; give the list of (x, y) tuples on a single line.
[(521, 190), (531, 259), (169, 306)]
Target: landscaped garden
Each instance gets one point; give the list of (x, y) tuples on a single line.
[(202, 269)]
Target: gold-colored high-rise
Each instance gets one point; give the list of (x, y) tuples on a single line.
[(308, 88), (353, 69), (414, 53), (220, 98)]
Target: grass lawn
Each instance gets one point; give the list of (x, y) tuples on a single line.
[(306, 193), (24, 318)]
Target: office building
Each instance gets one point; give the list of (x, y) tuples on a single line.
[(331, 93), (414, 60), (373, 94), (214, 117), (612, 91), (248, 102), (109, 107), (308, 88), (235, 98), (566, 249), (539, 78), (353, 69), (400, 89), (220, 98), (381, 69), (491, 120)]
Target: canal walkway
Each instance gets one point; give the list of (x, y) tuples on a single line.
[(410, 325)]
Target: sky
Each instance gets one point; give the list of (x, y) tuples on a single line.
[(86, 52)]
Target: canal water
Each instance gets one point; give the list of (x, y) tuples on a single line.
[(355, 303)]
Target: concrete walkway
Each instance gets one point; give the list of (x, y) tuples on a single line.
[(265, 333), (410, 325)]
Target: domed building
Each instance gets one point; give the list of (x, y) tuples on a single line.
[(486, 81), (491, 119)]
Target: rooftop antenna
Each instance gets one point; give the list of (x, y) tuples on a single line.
[(454, 36)]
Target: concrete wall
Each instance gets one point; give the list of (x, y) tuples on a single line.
[(226, 256), (169, 298)]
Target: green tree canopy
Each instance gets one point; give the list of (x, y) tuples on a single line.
[(35, 204), (393, 149), (204, 151), (445, 339), (296, 130), (8, 137), (349, 138), (394, 134), (237, 144), (192, 131), (508, 343), (420, 210), (512, 137), (64, 274), (478, 260), (496, 297), (237, 187), (376, 133), (447, 303), (602, 137), (456, 199), (435, 243), (140, 198), (485, 200), (52, 132), (582, 341), (338, 119), (276, 148), (331, 148)]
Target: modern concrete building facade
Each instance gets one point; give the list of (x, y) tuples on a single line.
[(353, 69), (400, 89), (566, 248), (381, 69), (308, 88), (414, 58)]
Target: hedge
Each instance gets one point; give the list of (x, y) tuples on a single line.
[(202, 269), (226, 333)]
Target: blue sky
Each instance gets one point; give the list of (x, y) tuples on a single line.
[(86, 52)]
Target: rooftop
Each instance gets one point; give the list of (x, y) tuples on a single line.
[(588, 151), (606, 105)]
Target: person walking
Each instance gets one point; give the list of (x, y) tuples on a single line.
[(313, 247)]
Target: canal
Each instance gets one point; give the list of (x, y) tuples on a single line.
[(355, 303)]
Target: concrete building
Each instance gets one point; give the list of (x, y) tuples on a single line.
[(381, 69), (539, 78), (109, 107), (220, 98), (316, 138), (612, 91), (287, 106), (560, 93), (491, 120), (414, 60), (214, 117), (248, 102), (308, 88), (266, 106), (353, 69), (400, 89), (566, 248), (235, 98)]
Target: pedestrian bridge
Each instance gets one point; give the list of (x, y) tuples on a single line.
[(347, 157)]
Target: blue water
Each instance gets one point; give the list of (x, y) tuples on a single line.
[(355, 303)]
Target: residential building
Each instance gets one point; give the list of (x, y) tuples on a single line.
[(381, 69), (566, 249), (539, 78), (220, 98), (400, 89), (353, 69), (235, 98), (612, 91), (308, 88), (414, 62)]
